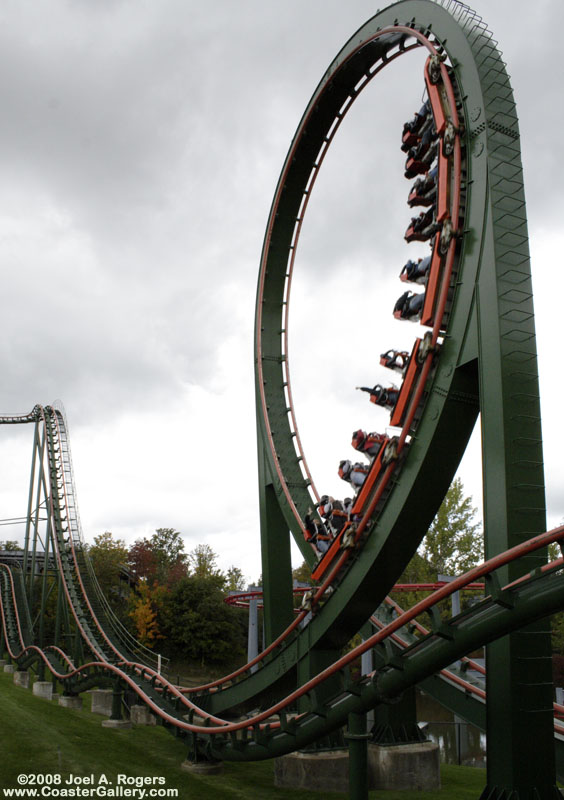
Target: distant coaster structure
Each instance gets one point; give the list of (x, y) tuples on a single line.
[(476, 355)]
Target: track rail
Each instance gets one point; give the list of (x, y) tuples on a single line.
[(277, 729), (478, 258)]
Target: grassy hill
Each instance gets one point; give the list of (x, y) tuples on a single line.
[(38, 736)]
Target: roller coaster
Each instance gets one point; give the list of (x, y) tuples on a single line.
[(475, 355)]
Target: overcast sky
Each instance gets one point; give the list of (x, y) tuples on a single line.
[(140, 146)]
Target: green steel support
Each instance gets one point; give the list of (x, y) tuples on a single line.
[(487, 363), (30, 497), (357, 738), (39, 488), (60, 612), (117, 699), (519, 674), (313, 661), (276, 561), (396, 723), (45, 589)]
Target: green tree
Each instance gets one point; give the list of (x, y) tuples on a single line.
[(109, 557), (167, 546), (203, 562), (197, 622), (452, 545), (235, 580), (303, 573), (10, 544)]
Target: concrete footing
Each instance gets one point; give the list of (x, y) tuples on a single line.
[(140, 715), (21, 678), (116, 723), (322, 772), (412, 767), (43, 689), (3, 662), (102, 701), (70, 701), (202, 767), (9, 668)]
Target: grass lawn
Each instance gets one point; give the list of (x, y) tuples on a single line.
[(38, 736)]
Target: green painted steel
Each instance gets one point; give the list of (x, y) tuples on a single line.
[(487, 364)]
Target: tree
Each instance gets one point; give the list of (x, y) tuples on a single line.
[(160, 559), (142, 560), (235, 580), (144, 616), (203, 562), (197, 622), (108, 557), (453, 545), (10, 544), (168, 547), (302, 573)]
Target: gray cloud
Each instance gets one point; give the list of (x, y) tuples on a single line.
[(140, 148)]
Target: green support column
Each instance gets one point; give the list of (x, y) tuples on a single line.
[(313, 661), (396, 723), (60, 610), (358, 757), (30, 500), (519, 666), (117, 698), (276, 560), (45, 589)]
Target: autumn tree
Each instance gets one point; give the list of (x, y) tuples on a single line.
[(144, 615), (142, 561), (160, 559)]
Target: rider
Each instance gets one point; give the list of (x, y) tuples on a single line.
[(395, 359), (369, 444), (381, 396), (409, 306), (334, 514), (316, 533), (416, 271), (355, 474)]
